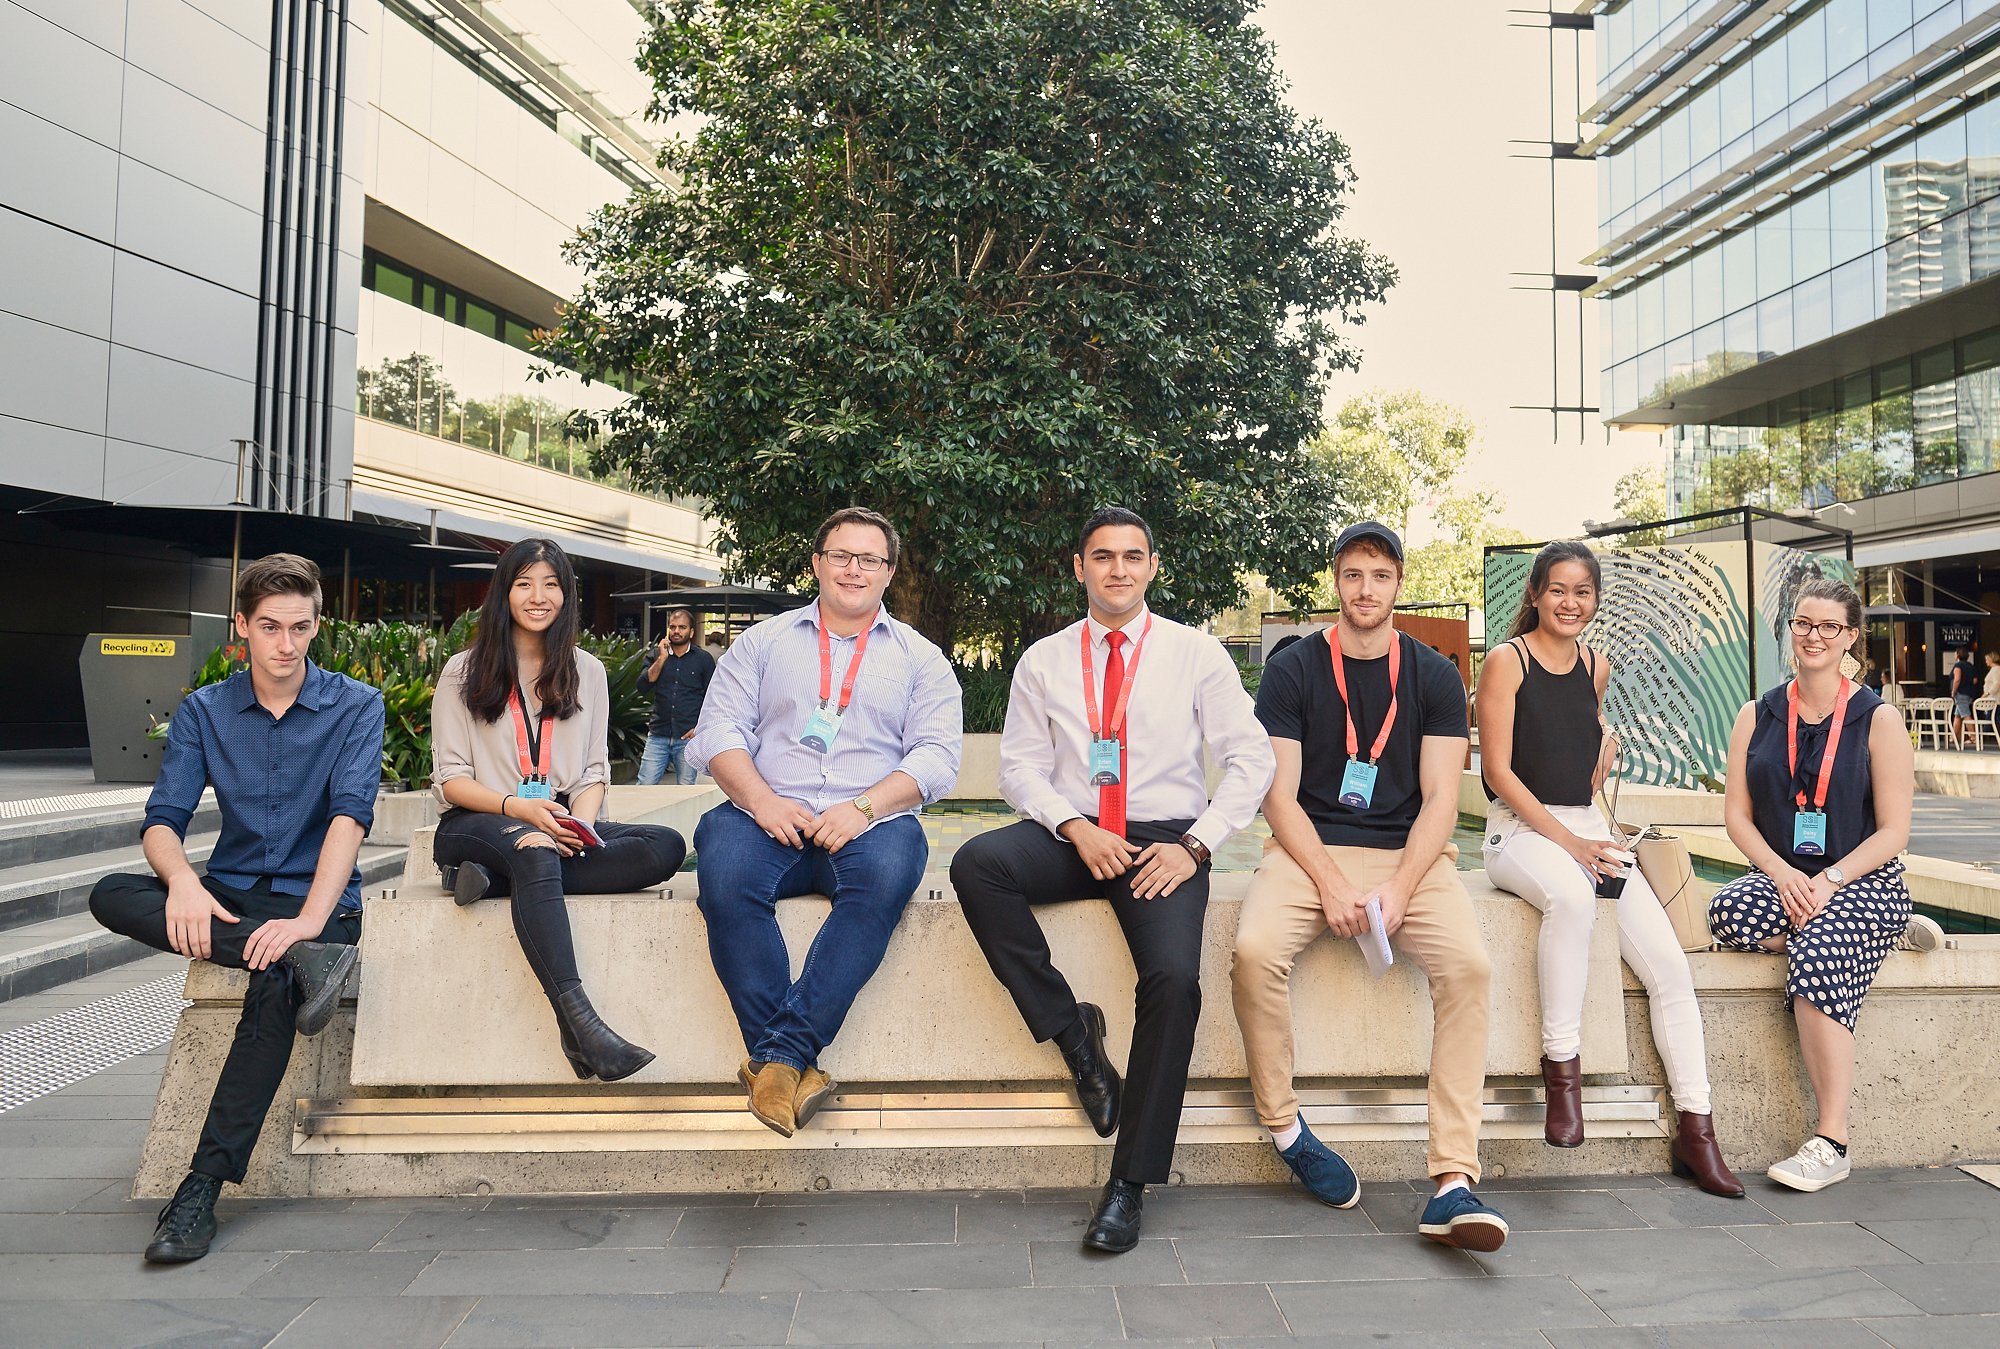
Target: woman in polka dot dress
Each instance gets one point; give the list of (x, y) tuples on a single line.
[(1820, 779)]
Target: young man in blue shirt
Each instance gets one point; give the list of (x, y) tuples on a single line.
[(828, 727), (294, 754)]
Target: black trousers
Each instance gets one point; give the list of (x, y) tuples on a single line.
[(136, 906), (1002, 875), (634, 857)]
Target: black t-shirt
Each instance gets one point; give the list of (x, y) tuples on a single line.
[(1298, 700), (1965, 683)]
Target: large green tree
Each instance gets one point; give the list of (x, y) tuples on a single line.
[(1396, 449), (984, 267)]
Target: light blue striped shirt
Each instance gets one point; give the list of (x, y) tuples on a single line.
[(906, 713)]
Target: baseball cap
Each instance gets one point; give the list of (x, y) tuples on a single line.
[(1370, 529)]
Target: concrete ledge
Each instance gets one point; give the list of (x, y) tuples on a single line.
[(1953, 772), (450, 1001)]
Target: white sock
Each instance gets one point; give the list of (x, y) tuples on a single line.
[(1288, 1135), (1449, 1186)]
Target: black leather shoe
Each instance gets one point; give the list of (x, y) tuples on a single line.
[(1097, 1086), (1115, 1225), (187, 1223), (469, 883), (599, 1051), (319, 971)]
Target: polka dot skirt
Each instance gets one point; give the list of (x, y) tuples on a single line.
[(1836, 955)]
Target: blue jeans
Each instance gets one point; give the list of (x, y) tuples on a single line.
[(664, 752), (744, 873)]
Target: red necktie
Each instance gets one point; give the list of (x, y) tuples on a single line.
[(1111, 798)]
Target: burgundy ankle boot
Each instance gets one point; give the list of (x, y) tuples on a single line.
[(1562, 1084), (1697, 1158)]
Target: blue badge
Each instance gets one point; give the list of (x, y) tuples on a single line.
[(822, 729), (1357, 785), (1809, 833), (535, 789), (1104, 762)]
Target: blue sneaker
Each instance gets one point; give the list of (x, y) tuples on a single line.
[(1457, 1218), (1320, 1169)]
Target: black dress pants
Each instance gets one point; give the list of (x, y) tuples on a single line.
[(136, 906), (1002, 875), (634, 857)]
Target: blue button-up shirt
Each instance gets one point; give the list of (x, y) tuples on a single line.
[(906, 713), (279, 780)]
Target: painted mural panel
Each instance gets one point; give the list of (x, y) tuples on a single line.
[(1677, 624)]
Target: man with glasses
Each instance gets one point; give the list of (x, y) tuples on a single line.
[(828, 727)]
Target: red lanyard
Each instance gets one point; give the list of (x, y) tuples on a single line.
[(1114, 729), (1347, 707), (534, 750), (853, 666), (1832, 741)]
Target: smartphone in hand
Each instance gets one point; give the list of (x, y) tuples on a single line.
[(580, 830)]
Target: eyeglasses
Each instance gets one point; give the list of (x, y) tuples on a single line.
[(1827, 631), (839, 558)]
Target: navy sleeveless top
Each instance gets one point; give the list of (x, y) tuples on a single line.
[(1556, 735), (1850, 796)]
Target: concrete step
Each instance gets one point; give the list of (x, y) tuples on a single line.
[(80, 831), (32, 892), (54, 950)]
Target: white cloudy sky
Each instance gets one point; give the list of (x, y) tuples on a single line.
[(1427, 94)]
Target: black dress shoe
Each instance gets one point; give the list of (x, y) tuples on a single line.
[(1115, 1225), (469, 883), (187, 1223), (593, 1048), (319, 971), (1097, 1086)]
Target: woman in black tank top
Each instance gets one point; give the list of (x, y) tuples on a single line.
[(1543, 751)]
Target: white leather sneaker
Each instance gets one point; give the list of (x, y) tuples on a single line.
[(1921, 934), (1813, 1167)]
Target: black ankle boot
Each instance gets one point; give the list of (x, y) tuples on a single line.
[(597, 1048), (187, 1223), (1115, 1225), (469, 883), (1097, 1085), (319, 971)]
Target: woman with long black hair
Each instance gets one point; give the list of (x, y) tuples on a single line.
[(1543, 751), (518, 735)]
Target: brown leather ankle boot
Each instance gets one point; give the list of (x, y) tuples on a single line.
[(1697, 1158), (1562, 1084)]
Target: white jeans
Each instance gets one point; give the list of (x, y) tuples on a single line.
[(1525, 863)]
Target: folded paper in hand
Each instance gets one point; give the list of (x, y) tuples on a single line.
[(1374, 942)]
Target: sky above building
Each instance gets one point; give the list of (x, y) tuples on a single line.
[(1428, 97)]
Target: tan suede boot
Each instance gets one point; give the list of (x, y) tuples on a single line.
[(815, 1090), (772, 1087)]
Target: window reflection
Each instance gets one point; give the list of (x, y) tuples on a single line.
[(1908, 423), (447, 364)]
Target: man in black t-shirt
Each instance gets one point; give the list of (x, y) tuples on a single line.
[(1964, 688), (1369, 729)]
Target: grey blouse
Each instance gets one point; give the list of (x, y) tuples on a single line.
[(462, 746)]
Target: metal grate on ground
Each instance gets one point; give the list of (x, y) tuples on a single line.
[(51, 805), (69, 1046)]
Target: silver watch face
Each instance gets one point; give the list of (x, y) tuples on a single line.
[(1836, 875)]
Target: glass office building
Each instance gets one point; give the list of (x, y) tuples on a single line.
[(1798, 254)]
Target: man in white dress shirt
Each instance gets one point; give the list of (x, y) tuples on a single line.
[(1102, 753)]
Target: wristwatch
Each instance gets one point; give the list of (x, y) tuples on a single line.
[(865, 806), (1196, 848), (1836, 875)]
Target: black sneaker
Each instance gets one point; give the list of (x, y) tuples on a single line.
[(187, 1223), (319, 971)]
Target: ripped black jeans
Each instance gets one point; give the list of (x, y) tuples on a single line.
[(634, 857)]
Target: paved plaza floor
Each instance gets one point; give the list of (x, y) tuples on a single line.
[(1908, 1258)]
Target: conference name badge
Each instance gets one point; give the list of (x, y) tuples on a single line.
[(822, 729), (534, 789), (1103, 762), (1809, 833), (1357, 785)]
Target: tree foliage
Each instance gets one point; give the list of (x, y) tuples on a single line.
[(1394, 450), (1641, 495), (984, 267), (1451, 569)]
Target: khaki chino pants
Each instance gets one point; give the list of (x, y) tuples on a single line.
[(1281, 916)]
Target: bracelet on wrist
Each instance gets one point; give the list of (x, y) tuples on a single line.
[(503, 803)]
